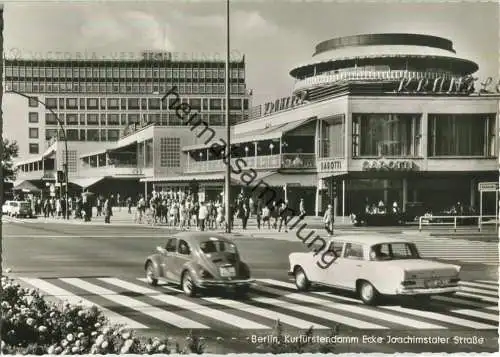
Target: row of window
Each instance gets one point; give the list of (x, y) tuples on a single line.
[(85, 134), (122, 73), (139, 103), (122, 87), (111, 119), (399, 135), (170, 152)]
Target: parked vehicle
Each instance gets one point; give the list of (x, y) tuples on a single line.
[(379, 219), (17, 209), (198, 261), (374, 266)]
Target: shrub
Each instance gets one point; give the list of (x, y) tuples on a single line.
[(31, 325)]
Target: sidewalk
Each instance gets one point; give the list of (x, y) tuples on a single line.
[(122, 217)]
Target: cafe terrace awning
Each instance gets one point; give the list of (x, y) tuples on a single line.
[(271, 178), (26, 186), (277, 179), (186, 178), (272, 132), (86, 182)]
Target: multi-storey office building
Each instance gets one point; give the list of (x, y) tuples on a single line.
[(98, 101)]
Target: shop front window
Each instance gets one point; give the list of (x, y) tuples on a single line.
[(378, 135), (460, 134), (331, 137)]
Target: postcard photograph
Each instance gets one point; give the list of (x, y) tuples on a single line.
[(234, 177)]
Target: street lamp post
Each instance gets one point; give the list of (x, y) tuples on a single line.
[(227, 185), (65, 138)]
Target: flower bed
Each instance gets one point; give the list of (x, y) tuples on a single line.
[(31, 325)]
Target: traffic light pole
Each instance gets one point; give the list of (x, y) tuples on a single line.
[(66, 212), (65, 138)]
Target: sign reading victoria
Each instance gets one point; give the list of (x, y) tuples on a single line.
[(389, 165)]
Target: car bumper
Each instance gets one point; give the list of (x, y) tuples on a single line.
[(225, 283), (428, 291)]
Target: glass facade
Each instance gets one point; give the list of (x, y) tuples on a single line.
[(378, 135), (461, 135)]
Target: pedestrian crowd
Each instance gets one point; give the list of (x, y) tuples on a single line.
[(179, 209)]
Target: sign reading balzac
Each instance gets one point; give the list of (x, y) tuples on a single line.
[(284, 103), (389, 165)]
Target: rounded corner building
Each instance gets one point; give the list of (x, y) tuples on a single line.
[(392, 117), (380, 59)]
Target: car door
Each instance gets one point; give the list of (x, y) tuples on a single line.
[(351, 265), (183, 255), (330, 275), (6, 207), (168, 259)]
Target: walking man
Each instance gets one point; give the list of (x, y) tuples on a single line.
[(329, 220)]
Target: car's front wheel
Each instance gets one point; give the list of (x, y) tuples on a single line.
[(367, 293), (150, 275), (301, 280), (188, 285)]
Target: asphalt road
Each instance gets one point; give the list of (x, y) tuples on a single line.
[(104, 265)]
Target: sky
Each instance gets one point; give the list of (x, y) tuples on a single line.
[(274, 35)]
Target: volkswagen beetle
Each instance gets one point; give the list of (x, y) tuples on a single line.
[(198, 261)]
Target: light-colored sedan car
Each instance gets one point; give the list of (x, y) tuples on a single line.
[(17, 209), (374, 266), (197, 261)]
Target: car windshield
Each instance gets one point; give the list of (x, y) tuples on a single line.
[(14, 204), (25, 205), (214, 246), (394, 251)]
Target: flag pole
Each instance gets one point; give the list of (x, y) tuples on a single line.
[(227, 189)]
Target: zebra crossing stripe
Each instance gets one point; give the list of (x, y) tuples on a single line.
[(292, 286), (479, 285), (454, 300), (325, 315), (475, 296), (364, 311), (476, 313), (269, 314), (489, 282), (479, 291), (441, 317), (439, 298), (73, 299), (492, 308), (229, 319), (146, 309)]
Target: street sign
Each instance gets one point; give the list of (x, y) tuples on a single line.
[(488, 186)]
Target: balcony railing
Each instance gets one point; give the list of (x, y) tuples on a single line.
[(112, 170), (36, 175), (298, 161)]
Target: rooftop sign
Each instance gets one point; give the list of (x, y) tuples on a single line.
[(465, 85), (278, 105), (409, 81)]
